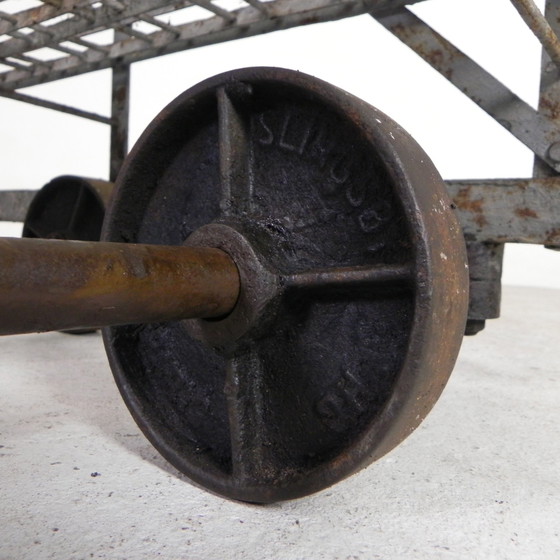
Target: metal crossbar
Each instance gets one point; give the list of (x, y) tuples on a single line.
[(44, 41), (56, 39)]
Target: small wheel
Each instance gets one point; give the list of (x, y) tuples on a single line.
[(354, 284), (68, 207)]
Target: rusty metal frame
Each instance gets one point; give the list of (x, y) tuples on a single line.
[(78, 54), (66, 27), (492, 212), (495, 212), (56, 39), (536, 130)]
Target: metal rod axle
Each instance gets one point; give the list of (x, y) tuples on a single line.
[(50, 285)]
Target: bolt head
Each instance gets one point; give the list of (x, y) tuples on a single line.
[(554, 152)]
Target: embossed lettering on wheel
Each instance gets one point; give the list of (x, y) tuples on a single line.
[(353, 298)]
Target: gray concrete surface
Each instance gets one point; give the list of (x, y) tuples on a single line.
[(478, 480)]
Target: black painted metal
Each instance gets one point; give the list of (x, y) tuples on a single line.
[(68, 207), (353, 284)]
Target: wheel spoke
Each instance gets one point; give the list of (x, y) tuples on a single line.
[(394, 276), (77, 209), (235, 155), (244, 392)]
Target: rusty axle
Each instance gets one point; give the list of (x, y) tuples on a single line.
[(50, 285)]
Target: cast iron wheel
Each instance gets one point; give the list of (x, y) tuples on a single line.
[(354, 284)]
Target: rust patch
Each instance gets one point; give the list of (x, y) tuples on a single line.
[(549, 106), (400, 30), (474, 206), (464, 203), (441, 58), (462, 199), (526, 213), (441, 61), (480, 220)]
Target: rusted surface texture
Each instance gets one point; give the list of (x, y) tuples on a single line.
[(57, 285), (146, 30), (509, 211), (536, 130), (14, 205)]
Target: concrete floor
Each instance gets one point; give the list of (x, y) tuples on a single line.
[(479, 480)]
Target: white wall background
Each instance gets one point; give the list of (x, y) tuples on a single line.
[(356, 54)]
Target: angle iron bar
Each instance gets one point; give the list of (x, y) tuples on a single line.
[(284, 14), (39, 14), (101, 18), (535, 130), (509, 210), (55, 106)]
